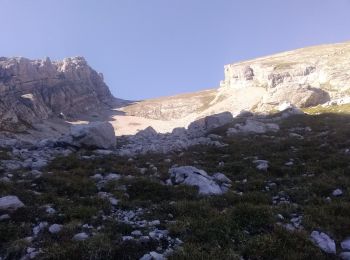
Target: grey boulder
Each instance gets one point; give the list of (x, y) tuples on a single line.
[(191, 176), (93, 135), (10, 203), (323, 241)]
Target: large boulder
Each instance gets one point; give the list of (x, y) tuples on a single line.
[(208, 185), (147, 133), (206, 124), (93, 135)]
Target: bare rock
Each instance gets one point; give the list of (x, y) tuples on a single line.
[(35, 90), (93, 135), (189, 175), (10, 203), (323, 241), (253, 126)]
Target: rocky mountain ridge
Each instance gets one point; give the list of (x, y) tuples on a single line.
[(35, 90), (304, 77)]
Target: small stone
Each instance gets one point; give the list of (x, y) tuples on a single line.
[(55, 228), (4, 217), (328, 199), (289, 163), (30, 250), (50, 210), (279, 216), (80, 236), (143, 170), (345, 244), (156, 256), (113, 201), (323, 241), (37, 229), (345, 255), (146, 257), (289, 227), (154, 223), (136, 233), (112, 177), (87, 226), (262, 165), (337, 192), (127, 238), (144, 239)]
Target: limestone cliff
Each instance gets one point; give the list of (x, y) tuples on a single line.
[(304, 77), (35, 90)]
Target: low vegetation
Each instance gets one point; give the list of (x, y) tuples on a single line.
[(308, 159)]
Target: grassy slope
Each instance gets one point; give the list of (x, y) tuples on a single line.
[(224, 227)]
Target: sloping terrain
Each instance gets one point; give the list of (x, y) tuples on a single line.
[(268, 212), (269, 182), (304, 77)]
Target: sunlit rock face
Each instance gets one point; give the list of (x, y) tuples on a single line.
[(304, 77), (34, 90)]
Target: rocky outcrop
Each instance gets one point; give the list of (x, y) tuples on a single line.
[(149, 141), (35, 90), (304, 77)]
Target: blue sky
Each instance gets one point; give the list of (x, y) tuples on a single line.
[(152, 48)]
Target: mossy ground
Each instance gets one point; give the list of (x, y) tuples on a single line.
[(242, 222)]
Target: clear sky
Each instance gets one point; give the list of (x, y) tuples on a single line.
[(151, 48)]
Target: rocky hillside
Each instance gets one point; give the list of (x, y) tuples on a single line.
[(242, 186), (304, 77), (35, 90), (258, 187)]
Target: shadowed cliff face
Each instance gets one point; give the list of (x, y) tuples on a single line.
[(34, 90)]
